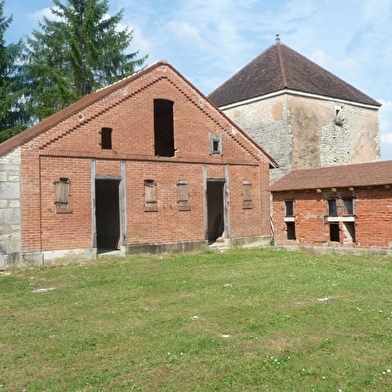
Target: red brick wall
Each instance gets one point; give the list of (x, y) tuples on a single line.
[(66, 150), (373, 217)]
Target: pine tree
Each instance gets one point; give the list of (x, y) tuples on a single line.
[(76, 53), (13, 117)]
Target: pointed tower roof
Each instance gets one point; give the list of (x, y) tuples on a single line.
[(282, 68)]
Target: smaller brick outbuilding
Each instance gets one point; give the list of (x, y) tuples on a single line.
[(342, 206), (148, 163)]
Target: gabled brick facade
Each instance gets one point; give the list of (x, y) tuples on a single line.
[(148, 163), (338, 207)]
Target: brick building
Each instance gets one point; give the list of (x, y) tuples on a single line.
[(147, 163), (301, 114), (342, 206)]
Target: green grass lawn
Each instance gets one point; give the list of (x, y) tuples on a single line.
[(242, 320)]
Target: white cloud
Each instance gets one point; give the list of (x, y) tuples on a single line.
[(184, 32), (45, 12)]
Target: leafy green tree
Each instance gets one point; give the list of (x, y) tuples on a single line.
[(13, 117), (77, 52)]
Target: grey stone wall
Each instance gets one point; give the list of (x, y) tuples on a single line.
[(10, 209), (302, 132)]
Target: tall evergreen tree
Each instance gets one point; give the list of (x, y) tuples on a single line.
[(13, 116), (76, 53)]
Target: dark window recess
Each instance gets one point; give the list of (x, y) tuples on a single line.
[(183, 202), (289, 208), (290, 228), (150, 204), (163, 128), (62, 193), (332, 207), (215, 144), (106, 138), (334, 232), (246, 195), (349, 231), (348, 206)]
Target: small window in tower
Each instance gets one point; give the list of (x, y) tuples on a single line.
[(150, 204), (62, 193), (215, 144), (246, 195), (183, 195), (338, 115), (106, 138)]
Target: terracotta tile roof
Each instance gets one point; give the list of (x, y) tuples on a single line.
[(357, 175), (278, 68), (90, 99)]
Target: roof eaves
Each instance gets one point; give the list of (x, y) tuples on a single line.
[(71, 110)]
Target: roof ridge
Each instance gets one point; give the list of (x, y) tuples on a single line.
[(281, 63)]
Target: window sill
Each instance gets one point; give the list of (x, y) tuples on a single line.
[(184, 208), (341, 219), (64, 211), (150, 209)]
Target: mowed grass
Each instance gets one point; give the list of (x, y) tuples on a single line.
[(241, 320)]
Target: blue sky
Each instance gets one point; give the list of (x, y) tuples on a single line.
[(209, 40)]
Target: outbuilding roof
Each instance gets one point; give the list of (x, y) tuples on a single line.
[(282, 68), (355, 175)]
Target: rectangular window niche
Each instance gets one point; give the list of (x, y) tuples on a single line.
[(246, 195), (62, 195), (150, 204), (183, 195)]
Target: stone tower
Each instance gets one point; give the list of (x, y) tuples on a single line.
[(301, 114)]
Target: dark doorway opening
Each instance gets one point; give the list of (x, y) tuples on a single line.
[(107, 213), (215, 209)]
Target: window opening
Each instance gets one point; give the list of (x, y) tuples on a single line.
[(106, 138), (163, 128), (332, 207), (246, 195), (348, 205), (215, 144), (338, 115), (289, 207), (290, 229), (334, 232), (150, 204), (349, 232), (183, 202), (62, 193)]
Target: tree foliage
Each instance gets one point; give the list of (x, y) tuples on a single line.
[(13, 116), (75, 53)]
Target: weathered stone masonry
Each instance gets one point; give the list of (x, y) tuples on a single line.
[(10, 213)]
